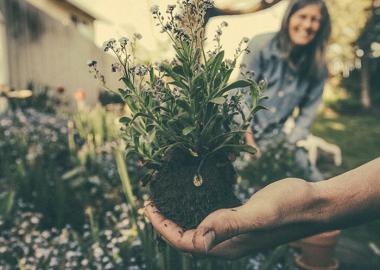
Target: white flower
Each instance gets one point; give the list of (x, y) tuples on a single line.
[(154, 9), (170, 8), (123, 41), (137, 36)]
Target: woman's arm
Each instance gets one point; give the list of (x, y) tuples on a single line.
[(283, 211), (308, 112)]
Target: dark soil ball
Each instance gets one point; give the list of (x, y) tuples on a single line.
[(177, 198)]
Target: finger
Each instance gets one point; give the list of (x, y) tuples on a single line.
[(150, 211), (169, 231), (215, 228), (148, 202), (233, 248)]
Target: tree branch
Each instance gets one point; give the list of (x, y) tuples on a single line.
[(263, 4)]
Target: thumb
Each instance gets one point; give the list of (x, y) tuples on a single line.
[(215, 228)]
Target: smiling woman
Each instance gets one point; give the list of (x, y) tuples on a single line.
[(304, 24), (292, 62)]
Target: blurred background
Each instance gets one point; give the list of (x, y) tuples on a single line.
[(68, 197)]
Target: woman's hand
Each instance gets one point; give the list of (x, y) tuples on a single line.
[(249, 139), (235, 232)]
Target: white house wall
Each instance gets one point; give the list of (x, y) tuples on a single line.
[(4, 74), (45, 52)]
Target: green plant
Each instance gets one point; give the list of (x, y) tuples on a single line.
[(185, 110)]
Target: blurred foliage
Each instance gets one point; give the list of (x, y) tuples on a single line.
[(348, 20), (278, 161), (371, 32)]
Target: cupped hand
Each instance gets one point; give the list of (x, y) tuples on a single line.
[(218, 234), (235, 232)]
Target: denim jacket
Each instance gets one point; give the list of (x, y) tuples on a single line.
[(285, 90)]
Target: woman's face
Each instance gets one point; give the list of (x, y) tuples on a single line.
[(304, 24)]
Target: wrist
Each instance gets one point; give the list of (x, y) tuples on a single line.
[(316, 210), (307, 203), (285, 202)]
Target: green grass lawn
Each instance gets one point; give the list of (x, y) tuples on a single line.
[(358, 136)]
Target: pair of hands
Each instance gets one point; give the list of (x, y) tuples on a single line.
[(232, 233)]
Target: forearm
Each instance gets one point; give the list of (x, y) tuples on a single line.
[(288, 210), (351, 198), (342, 201), (295, 209)]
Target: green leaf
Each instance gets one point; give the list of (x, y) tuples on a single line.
[(258, 108), (153, 165), (226, 75), (218, 100), (146, 177), (128, 82), (225, 137), (237, 84), (199, 80), (183, 104), (179, 70), (125, 120), (207, 131), (166, 148), (187, 130), (123, 93), (236, 148), (180, 84), (151, 76), (215, 65), (160, 108)]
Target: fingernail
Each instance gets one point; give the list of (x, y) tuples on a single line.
[(208, 239)]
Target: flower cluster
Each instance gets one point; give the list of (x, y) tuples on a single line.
[(218, 34), (242, 47), (188, 24), (24, 243), (175, 102)]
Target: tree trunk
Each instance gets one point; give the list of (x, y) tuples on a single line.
[(365, 97)]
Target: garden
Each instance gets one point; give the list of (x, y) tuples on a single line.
[(74, 177)]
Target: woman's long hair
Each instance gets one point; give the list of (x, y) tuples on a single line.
[(311, 62)]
